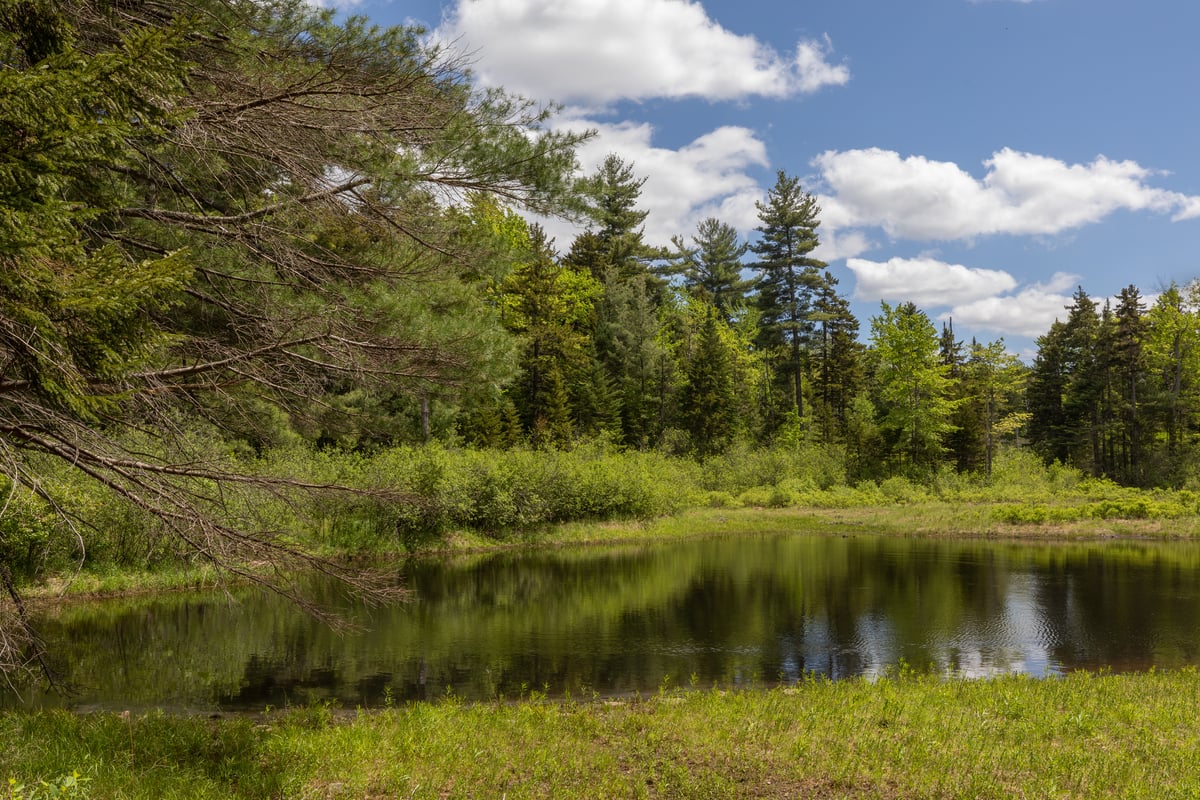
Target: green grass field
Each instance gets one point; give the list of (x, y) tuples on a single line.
[(905, 736)]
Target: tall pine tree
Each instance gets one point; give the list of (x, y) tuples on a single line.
[(788, 279)]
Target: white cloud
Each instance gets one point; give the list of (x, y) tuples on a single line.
[(813, 71), (707, 177), (1030, 312), (836, 245), (601, 51), (1021, 193), (926, 281)]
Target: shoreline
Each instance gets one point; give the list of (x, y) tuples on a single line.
[(929, 519)]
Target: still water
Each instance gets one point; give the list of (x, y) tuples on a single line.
[(751, 610)]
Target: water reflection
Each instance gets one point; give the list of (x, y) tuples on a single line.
[(748, 610)]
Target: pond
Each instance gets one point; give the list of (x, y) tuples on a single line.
[(736, 611)]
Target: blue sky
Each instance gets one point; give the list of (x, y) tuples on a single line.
[(980, 158)]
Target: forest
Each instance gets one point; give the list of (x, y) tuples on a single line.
[(257, 262)]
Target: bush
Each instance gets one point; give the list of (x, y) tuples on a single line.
[(411, 495), (28, 527), (898, 489), (743, 467)]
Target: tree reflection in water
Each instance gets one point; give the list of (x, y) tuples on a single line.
[(738, 611)]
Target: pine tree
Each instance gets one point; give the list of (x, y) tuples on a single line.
[(594, 403), (1172, 350), (711, 267), (707, 399), (788, 278), (1070, 388), (551, 307), (1050, 431), (616, 244), (839, 374), (217, 214), (1131, 377), (1084, 391), (626, 331), (965, 442), (995, 379)]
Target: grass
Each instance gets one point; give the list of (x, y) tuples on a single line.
[(911, 736)]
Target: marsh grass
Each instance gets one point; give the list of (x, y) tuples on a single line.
[(911, 736)]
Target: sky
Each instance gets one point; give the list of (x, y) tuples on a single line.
[(980, 158)]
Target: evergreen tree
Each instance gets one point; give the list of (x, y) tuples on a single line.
[(995, 379), (837, 353), (965, 441), (1172, 351), (595, 406), (711, 268), (707, 399), (1050, 432), (626, 332), (788, 278), (629, 338), (1130, 378), (616, 243), (1084, 391), (551, 307), (1068, 388)]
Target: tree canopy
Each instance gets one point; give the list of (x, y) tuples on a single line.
[(219, 211)]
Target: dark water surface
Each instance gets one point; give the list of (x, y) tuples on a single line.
[(736, 611)]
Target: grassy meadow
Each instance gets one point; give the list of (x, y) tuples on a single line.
[(904, 736)]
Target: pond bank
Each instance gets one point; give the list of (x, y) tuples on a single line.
[(935, 519), (1085, 735)]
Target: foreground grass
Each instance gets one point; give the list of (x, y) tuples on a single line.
[(910, 736)]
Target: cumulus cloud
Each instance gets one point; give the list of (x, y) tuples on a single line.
[(983, 300), (1021, 193), (601, 51), (1029, 312), (836, 245), (926, 281), (708, 177)]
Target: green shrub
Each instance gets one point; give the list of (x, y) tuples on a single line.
[(718, 500), (743, 467), (1021, 514), (28, 527), (411, 495), (898, 489)]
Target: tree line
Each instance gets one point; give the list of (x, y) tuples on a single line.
[(715, 340)]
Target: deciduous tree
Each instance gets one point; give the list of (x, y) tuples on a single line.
[(913, 384)]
